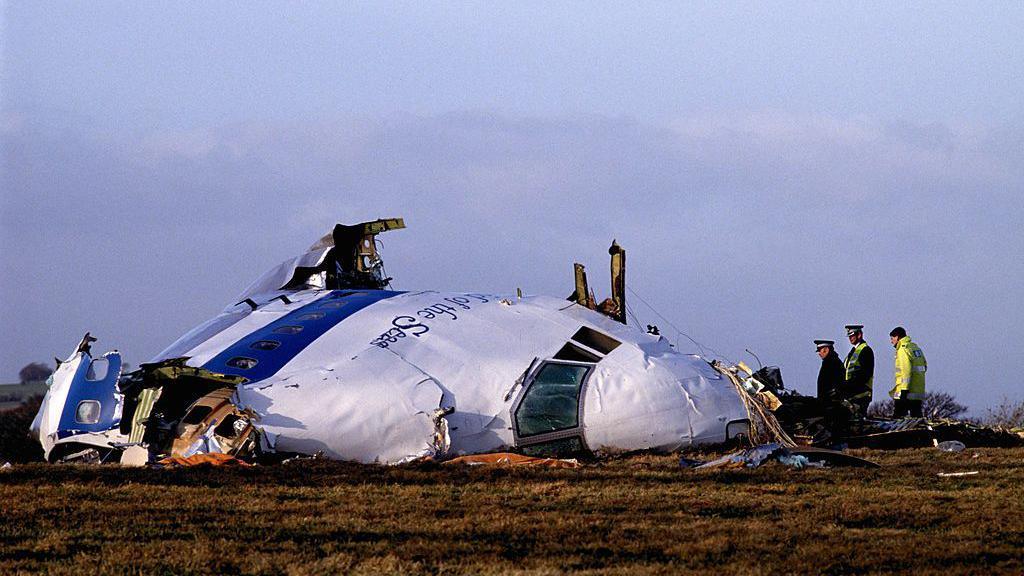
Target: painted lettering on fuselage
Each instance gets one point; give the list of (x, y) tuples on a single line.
[(418, 323)]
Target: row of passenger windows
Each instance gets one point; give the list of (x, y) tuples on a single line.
[(246, 363)]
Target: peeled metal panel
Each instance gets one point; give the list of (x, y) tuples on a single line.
[(276, 278), (47, 420), (374, 408)]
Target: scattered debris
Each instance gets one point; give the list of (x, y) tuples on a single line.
[(214, 424), (759, 403), (887, 434), (214, 459), (319, 455), (86, 456), (951, 446), (512, 459), (750, 458), (833, 457), (795, 457), (134, 455), (689, 462), (956, 474)]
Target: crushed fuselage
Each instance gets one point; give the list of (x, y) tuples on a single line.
[(316, 357)]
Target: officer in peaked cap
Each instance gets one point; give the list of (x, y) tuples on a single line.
[(831, 383), (832, 374), (860, 370)]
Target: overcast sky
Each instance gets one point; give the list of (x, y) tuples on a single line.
[(773, 172)]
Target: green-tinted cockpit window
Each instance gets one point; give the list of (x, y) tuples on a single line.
[(552, 401)]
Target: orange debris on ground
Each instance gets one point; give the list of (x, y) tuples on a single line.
[(201, 459)]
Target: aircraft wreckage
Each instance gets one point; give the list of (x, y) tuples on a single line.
[(318, 356)]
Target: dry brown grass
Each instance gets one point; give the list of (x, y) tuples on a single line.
[(640, 515)]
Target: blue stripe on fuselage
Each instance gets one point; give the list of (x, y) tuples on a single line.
[(104, 391), (334, 307)]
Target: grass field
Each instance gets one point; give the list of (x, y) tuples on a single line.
[(16, 393), (635, 515)]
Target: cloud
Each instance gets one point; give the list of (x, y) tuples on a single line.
[(857, 158), (760, 229)]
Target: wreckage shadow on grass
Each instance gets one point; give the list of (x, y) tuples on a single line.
[(292, 474), (322, 473)]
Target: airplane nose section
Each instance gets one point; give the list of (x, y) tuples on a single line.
[(82, 398)]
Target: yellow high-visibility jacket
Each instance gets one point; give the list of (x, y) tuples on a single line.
[(910, 369)]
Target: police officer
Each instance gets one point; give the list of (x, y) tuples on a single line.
[(860, 370), (831, 379), (832, 374), (908, 392)]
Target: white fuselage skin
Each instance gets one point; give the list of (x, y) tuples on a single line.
[(369, 388)]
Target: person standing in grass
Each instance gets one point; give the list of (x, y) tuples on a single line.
[(831, 378), (908, 391), (860, 370)]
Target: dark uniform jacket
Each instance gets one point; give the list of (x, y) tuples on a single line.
[(861, 376), (831, 378)]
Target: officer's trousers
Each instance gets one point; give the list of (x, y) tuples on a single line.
[(903, 408)]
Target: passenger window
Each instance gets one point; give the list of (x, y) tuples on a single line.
[(287, 329), (551, 403), (97, 370), (310, 316), (264, 345), (242, 362), (333, 304), (88, 412)]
